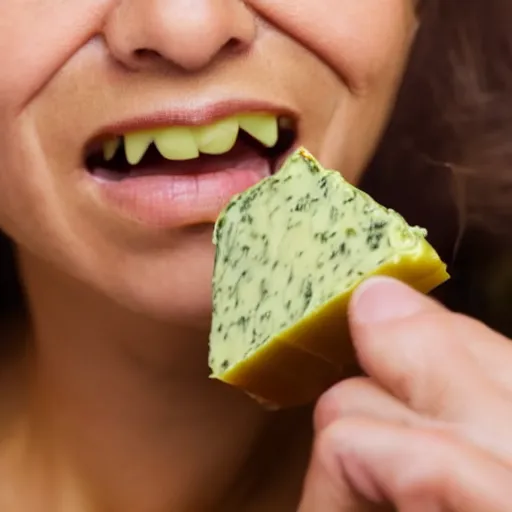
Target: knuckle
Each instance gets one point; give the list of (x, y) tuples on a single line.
[(329, 440), (340, 399), (427, 396), (350, 389)]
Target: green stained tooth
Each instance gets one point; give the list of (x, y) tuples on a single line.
[(110, 147), (136, 145), (262, 127), (176, 143), (217, 138)]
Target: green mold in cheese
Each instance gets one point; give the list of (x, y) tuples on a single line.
[(289, 253)]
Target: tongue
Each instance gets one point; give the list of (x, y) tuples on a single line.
[(242, 157)]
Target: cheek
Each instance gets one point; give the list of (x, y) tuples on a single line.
[(36, 38), (23, 192), (366, 44), (361, 40)]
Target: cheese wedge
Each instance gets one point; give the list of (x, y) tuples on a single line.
[(289, 253)]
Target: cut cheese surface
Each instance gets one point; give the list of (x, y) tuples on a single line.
[(289, 253)]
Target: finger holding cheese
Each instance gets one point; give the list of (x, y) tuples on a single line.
[(289, 253)]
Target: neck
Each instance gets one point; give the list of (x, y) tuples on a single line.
[(123, 400)]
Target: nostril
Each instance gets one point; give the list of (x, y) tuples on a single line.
[(146, 54), (144, 57), (234, 45)]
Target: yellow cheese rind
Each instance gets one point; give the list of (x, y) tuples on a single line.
[(298, 364)]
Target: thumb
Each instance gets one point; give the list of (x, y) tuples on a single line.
[(325, 487)]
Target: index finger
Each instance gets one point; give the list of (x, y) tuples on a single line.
[(420, 469)]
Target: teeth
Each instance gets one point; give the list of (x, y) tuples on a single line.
[(135, 146), (176, 143), (110, 147), (262, 127), (186, 143), (217, 138)]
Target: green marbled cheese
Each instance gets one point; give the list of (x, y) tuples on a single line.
[(287, 246)]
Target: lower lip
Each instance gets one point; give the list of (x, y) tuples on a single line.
[(178, 200)]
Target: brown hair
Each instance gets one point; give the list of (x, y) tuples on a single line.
[(454, 111), (443, 161)]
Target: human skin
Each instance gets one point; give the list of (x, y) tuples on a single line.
[(109, 407), (429, 428)]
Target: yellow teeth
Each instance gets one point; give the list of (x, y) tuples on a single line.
[(110, 147), (176, 143), (188, 142), (262, 127), (217, 138), (135, 146)]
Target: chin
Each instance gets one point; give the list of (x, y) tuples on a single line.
[(183, 302)]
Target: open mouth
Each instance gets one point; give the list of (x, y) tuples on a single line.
[(231, 143)]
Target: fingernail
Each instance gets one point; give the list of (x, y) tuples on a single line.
[(382, 299)]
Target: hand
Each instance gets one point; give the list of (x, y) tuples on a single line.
[(430, 428)]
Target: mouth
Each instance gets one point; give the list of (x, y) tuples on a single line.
[(183, 175), (228, 143)]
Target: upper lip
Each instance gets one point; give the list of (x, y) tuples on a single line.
[(189, 116)]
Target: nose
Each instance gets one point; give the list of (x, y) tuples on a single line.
[(190, 34)]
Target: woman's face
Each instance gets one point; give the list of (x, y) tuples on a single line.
[(80, 75)]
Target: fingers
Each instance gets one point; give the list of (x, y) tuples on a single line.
[(418, 351), (417, 470), (325, 488), (361, 397), (417, 434), (487, 425)]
